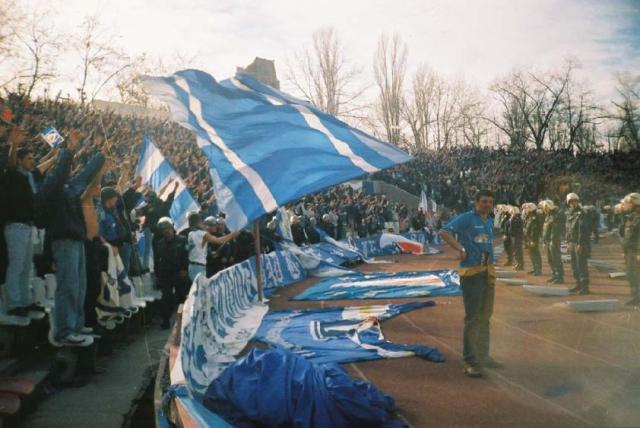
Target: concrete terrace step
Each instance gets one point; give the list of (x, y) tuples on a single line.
[(547, 291), (604, 305)]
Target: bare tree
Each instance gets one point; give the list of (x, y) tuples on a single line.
[(627, 112), (324, 76), (417, 109), (10, 17), (529, 103), (101, 62), (543, 103), (582, 117), (38, 46), (389, 66), (509, 95), (472, 126), (129, 83), (447, 118)]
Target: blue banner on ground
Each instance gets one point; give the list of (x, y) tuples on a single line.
[(384, 285), (276, 388), (219, 317), (280, 268), (222, 313), (342, 334), (331, 254)]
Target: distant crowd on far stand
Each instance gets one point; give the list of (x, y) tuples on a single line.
[(452, 176)]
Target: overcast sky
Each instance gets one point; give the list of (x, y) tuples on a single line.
[(474, 39)]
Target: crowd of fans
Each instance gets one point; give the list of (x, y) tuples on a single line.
[(344, 212), (452, 176)]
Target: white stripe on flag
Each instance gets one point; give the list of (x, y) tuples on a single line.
[(152, 163), (314, 122), (259, 186), (341, 147), (238, 84)]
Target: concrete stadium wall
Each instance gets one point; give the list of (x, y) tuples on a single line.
[(395, 194)]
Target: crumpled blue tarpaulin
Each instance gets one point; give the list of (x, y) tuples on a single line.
[(384, 285), (276, 388), (342, 334)]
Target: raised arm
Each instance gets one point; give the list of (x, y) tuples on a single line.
[(48, 161), (16, 137), (220, 240)]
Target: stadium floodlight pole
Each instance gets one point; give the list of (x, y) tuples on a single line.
[(256, 239)]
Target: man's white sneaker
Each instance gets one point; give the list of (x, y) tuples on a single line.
[(76, 340)]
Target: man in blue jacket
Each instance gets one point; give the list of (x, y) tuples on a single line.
[(61, 195), (471, 235)]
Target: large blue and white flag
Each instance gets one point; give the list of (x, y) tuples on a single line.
[(341, 334), (156, 172), (266, 148)]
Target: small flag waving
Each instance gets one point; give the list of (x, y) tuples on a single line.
[(424, 203), (266, 148), (51, 136), (156, 172)]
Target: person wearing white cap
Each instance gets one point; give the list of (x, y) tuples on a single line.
[(504, 217), (516, 230), (532, 233), (552, 235), (171, 261), (631, 245), (578, 238)]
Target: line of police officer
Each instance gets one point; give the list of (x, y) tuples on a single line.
[(548, 224)]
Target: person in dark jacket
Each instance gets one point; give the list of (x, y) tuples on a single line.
[(516, 230), (171, 261), (269, 237), (297, 231), (20, 188), (552, 235), (631, 245), (158, 208), (155, 209), (131, 196), (532, 233), (504, 219), (68, 232), (578, 238)]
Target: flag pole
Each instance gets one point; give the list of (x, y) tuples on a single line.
[(256, 234)]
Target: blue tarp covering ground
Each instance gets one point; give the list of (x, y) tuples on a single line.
[(276, 388), (384, 285), (341, 334)]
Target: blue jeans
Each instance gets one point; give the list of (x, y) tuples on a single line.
[(19, 237), (146, 254), (194, 270), (71, 288), (125, 254)]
